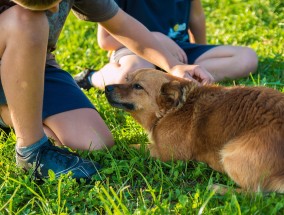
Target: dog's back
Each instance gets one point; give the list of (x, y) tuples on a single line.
[(238, 130), (254, 154), (229, 112)]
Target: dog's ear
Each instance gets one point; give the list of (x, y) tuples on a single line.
[(171, 95)]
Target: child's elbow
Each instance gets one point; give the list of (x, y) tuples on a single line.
[(103, 44), (107, 45)]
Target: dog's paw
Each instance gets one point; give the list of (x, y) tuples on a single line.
[(139, 147), (135, 146), (223, 189), (218, 188)]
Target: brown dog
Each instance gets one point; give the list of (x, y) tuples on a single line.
[(237, 130)]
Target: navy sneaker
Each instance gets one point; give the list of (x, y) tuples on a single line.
[(83, 79), (60, 161)]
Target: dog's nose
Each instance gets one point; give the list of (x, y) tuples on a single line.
[(109, 88)]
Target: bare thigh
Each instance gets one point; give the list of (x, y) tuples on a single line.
[(80, 129), (219, 52), (116, 72), (229, 62), (131, 63)]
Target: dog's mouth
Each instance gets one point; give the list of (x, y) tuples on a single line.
[(121, 105), (125, 106), (113, 101)]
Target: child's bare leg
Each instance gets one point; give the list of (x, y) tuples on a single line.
[(23, 40), (23, 46), (94, 133), (229, 62), (116, 73), (6, 117), (106, 75)]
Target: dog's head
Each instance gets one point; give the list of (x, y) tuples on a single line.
[(148, 93)]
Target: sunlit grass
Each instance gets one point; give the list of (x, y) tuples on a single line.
[(132, 182)]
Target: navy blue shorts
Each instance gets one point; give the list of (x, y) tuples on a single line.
[(61, 93), (193, 51)]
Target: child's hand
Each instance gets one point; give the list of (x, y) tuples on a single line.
[(194, 73)]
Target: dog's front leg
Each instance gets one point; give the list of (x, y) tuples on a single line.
[(154, 152)]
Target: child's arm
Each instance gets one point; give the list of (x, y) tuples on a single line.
[(171, 46), (106, 41), (197, 23), (139, 40)]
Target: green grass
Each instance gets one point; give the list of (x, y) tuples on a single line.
[(132, 182)]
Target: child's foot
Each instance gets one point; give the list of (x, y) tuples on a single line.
[(83, 79), (60, 161)]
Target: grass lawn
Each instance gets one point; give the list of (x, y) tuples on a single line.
[(132, 182)]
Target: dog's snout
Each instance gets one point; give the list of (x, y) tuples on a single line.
[(109, 88)]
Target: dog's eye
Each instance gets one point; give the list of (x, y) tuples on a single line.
[(137, 87)]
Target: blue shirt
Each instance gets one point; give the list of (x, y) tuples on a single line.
[(169, 17)]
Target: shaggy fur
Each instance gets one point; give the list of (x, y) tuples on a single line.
[(236, 130)]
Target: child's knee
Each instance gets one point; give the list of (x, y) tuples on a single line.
[(250, 59), (134, 62), (26, 24), (88, 142)]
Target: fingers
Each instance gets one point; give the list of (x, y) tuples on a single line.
[(193, 73), (179, 72), (202, 75), (190, 78)]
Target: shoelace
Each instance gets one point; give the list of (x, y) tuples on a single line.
[(35, 173)]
